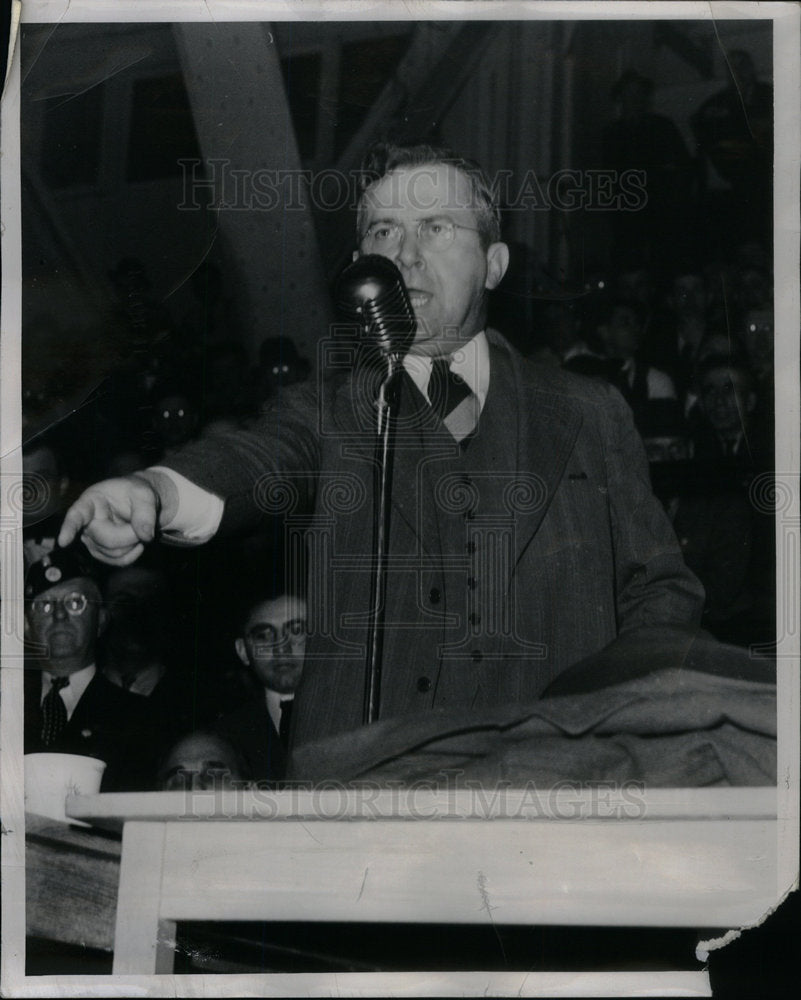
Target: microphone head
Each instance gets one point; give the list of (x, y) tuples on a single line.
[(371, 292)]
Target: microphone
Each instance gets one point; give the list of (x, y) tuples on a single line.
[(371, 292)]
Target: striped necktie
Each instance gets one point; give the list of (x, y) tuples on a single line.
[(453, 399), (54, 712)]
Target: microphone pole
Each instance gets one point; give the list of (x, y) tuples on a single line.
[(372, 291)]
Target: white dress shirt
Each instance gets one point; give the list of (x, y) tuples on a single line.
[(73, 692), (274, 701)]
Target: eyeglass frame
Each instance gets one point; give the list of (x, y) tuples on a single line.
[(38, 605), (422, 222)]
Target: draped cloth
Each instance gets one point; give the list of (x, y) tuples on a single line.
[(695, 713)]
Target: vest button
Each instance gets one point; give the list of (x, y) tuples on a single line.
[(423, 684), (434, 596), (477, 656)]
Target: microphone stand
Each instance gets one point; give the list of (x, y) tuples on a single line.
[(386, 408), (372, 293)]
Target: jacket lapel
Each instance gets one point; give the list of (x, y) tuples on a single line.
[(547, 425)]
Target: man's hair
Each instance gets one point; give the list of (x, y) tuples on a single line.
[(265, 596), (728, 362), (384, 157)]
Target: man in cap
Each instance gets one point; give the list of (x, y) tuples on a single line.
[(70, 707)]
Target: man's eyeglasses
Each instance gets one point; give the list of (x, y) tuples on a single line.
[(74, 604), (435, 234), (269, 635)]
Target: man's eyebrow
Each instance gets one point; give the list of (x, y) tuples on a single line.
[(383, 220)]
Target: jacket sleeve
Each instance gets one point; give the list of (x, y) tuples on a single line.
[(652, 582), (264, 470)]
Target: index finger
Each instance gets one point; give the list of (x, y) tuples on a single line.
[(75, 520)]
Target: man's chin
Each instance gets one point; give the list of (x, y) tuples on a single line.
[(284, 680)]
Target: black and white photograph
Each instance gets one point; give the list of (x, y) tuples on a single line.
[(399, 410)]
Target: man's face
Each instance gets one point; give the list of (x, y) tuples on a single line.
[(175, 419), (136, 604), (689, 296), (446, 287), (66, 620), (621, 335), (727, 399), (199, 762), (274, 642)]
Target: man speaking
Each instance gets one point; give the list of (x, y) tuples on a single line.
[(524, 535)]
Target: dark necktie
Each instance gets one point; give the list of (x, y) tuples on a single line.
[(54, 712), (286, 719), (453, 399)]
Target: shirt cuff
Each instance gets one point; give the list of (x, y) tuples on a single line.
[(199, 512)]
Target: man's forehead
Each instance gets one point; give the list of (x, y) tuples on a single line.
[(725, 376), (433, 187), (277, 611)]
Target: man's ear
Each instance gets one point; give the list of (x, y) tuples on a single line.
[(241, 651), (355, 255), (497, 262), (102, 620)]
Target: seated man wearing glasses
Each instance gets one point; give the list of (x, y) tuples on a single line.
[(271, 644), (524, 536), (70, 707)]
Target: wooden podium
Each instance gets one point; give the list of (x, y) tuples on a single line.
[(696, 858)]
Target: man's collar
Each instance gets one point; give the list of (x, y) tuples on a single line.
[(274, 700), (471, 361), (73, 692)]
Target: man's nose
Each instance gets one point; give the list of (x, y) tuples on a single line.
[(59, 611), (409, 252)]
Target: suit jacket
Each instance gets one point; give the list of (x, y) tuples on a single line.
[(481, 608), (250, 731), (108, 723)]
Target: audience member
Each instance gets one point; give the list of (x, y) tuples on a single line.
[(271, 644), (621, 332), (199, 762), (70, 707), (727, 403), (175, 417), (558, 328), (279, 365)]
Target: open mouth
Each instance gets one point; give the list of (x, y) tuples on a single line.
[(418, 299)]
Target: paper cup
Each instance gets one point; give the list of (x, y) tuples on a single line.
[(51, 777)]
